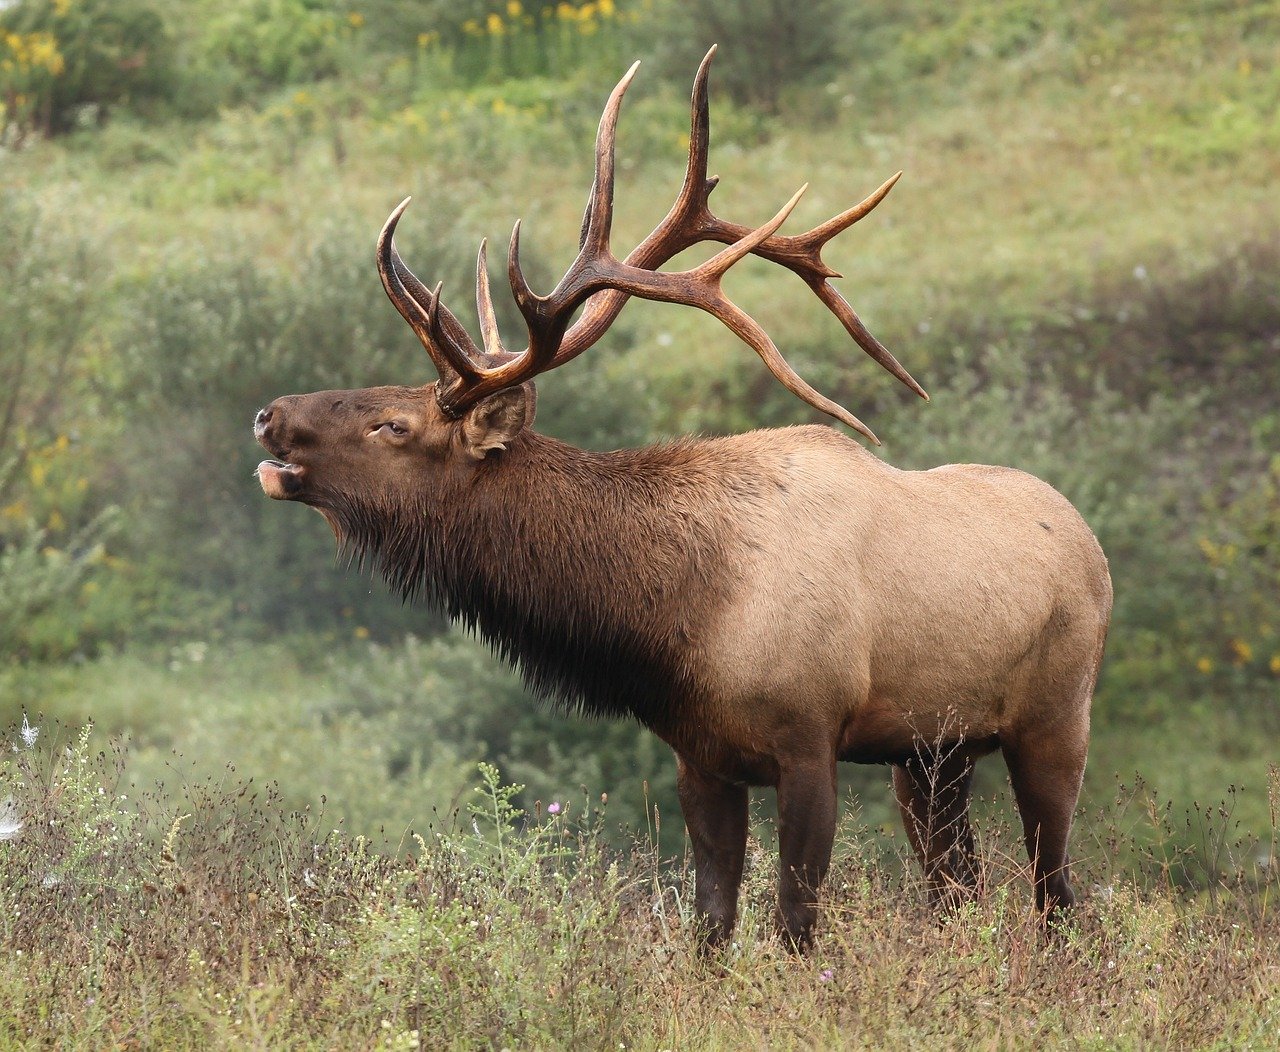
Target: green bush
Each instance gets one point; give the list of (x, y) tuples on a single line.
[(73, 61), (277, 42), (768, 48), (53, 522)]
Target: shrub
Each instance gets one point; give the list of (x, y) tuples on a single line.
[(766, 48), (73, 60), (53, 525), (277, 42)]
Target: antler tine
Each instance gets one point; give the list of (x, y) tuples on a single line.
[(701, 288), (450, 350), (606, 135), (547, 317), (824, 232), (696, 188), (599, 218), (484, 306), (862, 336), (750, 332), (678, 231), (802, 254)]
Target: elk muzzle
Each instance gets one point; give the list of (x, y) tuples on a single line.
[(279, 479)]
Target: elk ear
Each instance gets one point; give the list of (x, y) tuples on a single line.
[(492, 423)]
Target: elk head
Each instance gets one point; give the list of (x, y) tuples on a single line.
[(336, 445)]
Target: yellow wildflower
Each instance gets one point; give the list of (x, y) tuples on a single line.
[(514, 10), (1275, 664), (493, 25), (606, 8), (356, 19), (361, 632), (1242, 651), (1205, 665)]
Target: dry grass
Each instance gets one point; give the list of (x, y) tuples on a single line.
[(233, 924)]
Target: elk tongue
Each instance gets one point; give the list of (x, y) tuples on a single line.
[(279, 481)]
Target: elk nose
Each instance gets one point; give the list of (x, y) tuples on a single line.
[(263, 418)]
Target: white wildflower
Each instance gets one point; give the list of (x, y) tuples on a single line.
[(29, 733), (10, 823)]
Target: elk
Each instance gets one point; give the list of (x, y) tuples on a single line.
[(767, 603)]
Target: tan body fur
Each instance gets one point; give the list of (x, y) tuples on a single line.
[(876, 607)]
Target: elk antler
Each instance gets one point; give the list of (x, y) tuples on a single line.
[(469, 373)]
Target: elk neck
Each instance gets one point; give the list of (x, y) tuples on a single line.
[(596, 574)]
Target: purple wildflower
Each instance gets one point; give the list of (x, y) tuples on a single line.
[(553, 808)]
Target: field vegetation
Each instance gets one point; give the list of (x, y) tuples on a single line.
[(1082, 266)]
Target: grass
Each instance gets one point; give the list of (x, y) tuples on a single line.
[(223, 920)]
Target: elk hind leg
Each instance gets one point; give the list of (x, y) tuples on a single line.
[(933, 795), (1047, 771)]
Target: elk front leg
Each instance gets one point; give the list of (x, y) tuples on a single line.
[(806, 831), (715, 813)]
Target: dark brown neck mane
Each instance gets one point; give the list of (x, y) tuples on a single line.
[(592, 573)]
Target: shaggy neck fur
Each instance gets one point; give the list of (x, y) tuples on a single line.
[(595, 574)]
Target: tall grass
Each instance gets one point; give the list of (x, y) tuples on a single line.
[(222, 920)]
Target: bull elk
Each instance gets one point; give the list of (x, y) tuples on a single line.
[(767, 603)]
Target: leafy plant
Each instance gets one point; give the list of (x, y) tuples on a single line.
[(67, 61), (767, 47)]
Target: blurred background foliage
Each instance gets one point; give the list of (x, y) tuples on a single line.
[(1082, 265)]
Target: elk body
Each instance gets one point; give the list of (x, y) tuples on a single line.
[(769, 604)]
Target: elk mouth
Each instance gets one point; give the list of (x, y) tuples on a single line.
[(280, 481)]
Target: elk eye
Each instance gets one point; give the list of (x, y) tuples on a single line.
[(393, 428)]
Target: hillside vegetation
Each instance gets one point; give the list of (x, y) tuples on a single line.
[(1081, 264)]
